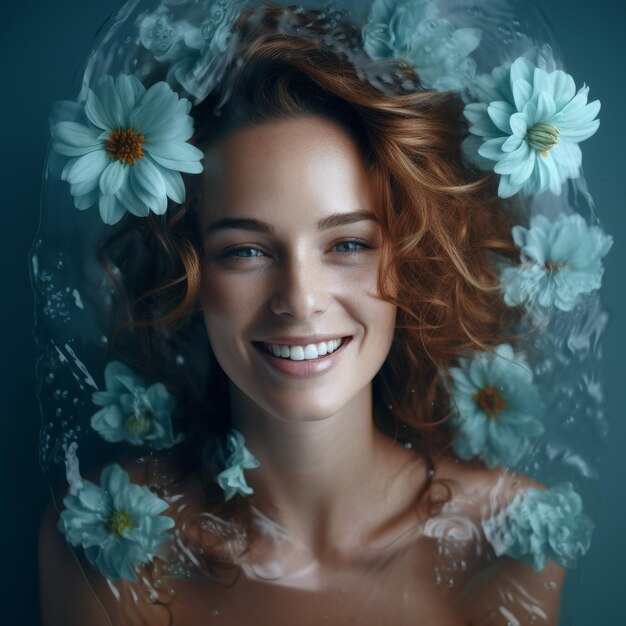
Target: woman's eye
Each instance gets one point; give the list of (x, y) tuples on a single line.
[(352, 245), (244, 252)]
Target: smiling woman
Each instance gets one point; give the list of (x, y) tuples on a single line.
[(300, 286), (343, 392)]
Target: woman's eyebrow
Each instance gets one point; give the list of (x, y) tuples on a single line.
[(332, 221)]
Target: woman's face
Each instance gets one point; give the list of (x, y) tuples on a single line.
[(292, 254)]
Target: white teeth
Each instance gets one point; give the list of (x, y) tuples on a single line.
[(296, 353), (303, 353), (310, 352)]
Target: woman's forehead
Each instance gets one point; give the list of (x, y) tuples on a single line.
[(308, 165)]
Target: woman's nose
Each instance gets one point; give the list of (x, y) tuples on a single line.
[(300, 290)]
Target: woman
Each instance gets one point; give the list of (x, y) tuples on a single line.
[(340, 256)]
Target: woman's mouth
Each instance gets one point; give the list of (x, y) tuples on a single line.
[(303, 361), (304, 353)]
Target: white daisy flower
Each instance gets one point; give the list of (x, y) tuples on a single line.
[(127, 146)]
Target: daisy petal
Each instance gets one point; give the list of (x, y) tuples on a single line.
[(87, 166), (113, 177), (111, 210), (500, 113)]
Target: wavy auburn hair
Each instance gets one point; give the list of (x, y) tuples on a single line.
[(442, 221)]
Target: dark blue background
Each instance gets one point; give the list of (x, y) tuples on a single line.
[(41, 45)]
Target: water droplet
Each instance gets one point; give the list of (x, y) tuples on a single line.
[(214, 612), (450, 582), (550, 585), (408, 445)]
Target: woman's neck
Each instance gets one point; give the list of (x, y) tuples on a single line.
[(329, 481)]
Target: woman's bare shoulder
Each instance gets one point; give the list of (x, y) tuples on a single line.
[(500, 584), (480, 487)]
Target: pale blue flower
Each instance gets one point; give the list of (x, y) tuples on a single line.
[(132, 411), (126, 146), (117, 523), (560, 261), (498, 408), (413, 31), (234, 457), (531, 129), (540, 525)]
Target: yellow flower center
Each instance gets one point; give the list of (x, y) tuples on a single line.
[(490, 401), (125, 145), (119, 522), (543, 137), (138, 422)]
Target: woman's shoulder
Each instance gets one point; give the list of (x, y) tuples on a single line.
[(477, 485), (470, 495), (497, 582)]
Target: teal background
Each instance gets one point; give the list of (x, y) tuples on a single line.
[(41, 45)]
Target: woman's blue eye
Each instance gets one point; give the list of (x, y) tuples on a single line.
[(355, 245), (246, 252)]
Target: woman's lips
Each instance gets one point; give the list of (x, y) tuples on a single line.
[(306, 368)]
